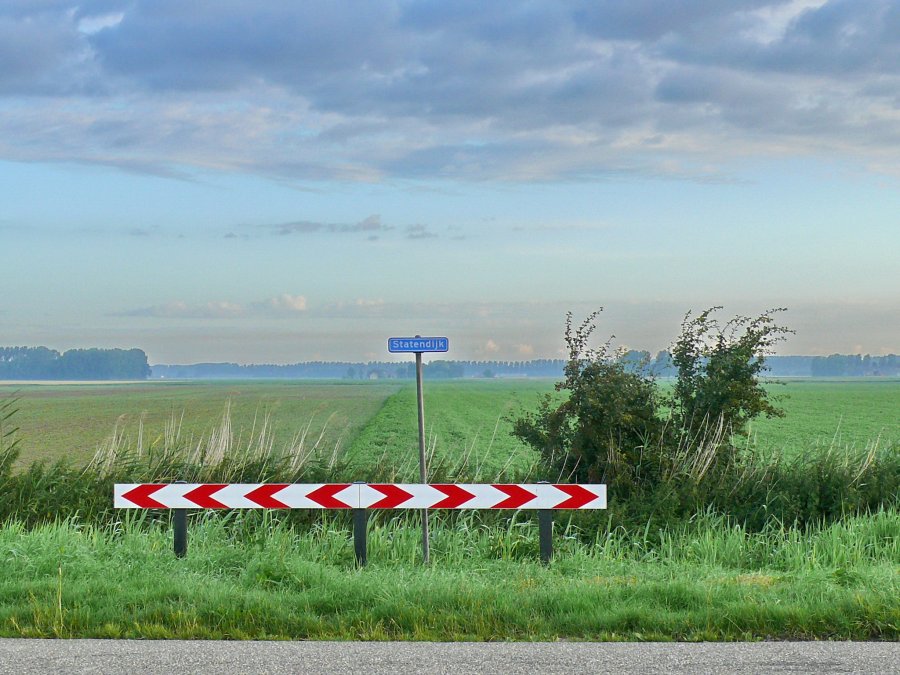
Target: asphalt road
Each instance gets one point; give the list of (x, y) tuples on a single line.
[(23, 657)]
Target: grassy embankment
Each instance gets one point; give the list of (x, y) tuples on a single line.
[(707, 581)]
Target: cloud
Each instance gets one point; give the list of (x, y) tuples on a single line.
[(359, 308), (524, 350), (142, 231), (286, 303), (280, 306), (466, 91), (419, 232), (371, 224)]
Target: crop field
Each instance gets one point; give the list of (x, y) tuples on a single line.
[(467, 422), (467, 426), (819, 413), (74, 421)]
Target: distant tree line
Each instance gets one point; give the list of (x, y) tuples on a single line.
[(41, 363), (836, 365), (661, 365), (855, 365), (372, 370)]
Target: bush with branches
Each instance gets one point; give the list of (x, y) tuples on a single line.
[(613, 426), (604, 427), (719, 368)]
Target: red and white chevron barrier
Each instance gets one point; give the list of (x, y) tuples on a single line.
[(358, 496)]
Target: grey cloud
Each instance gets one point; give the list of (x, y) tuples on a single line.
[(651, 20), (40, 55), (31, 8), (837, 39), (841, 37), (299, 227), (419, 232), (168, 44), (427, 61), (470, 91), (370, 224), (44, 52)]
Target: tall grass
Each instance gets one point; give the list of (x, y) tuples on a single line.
[(711, 579), (752, 486), (8, 440)]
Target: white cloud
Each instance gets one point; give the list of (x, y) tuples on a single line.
[(94, 24), (288, 303), (283, 305)]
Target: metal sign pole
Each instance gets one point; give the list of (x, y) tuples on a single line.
[(417, 345), (423, 474)]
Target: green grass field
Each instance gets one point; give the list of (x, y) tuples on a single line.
[(73, 421), (819, 413), (468, 424), (466, 421)]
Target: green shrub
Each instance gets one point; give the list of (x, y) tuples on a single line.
[(719, 367), (668, 459), (607, 424)]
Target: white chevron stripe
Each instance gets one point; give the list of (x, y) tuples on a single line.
[(424, 496)]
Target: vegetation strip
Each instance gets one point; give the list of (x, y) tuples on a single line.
[(712, 581)]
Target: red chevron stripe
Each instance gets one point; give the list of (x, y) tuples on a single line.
[(263, 496), (324, 496), (517, 496), (394, 496), (456, 496), (202, 496), (578, 496), (141, 496)]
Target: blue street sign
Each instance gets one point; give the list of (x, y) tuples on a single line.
[(408, 345)]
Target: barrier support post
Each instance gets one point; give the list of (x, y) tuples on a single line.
[(545, 524), (179, 523), (545, 532), (360, 521)]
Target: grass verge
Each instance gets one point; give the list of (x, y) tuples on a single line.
[(245, 578)]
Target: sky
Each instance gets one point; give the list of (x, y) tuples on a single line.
[(262, 182)]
